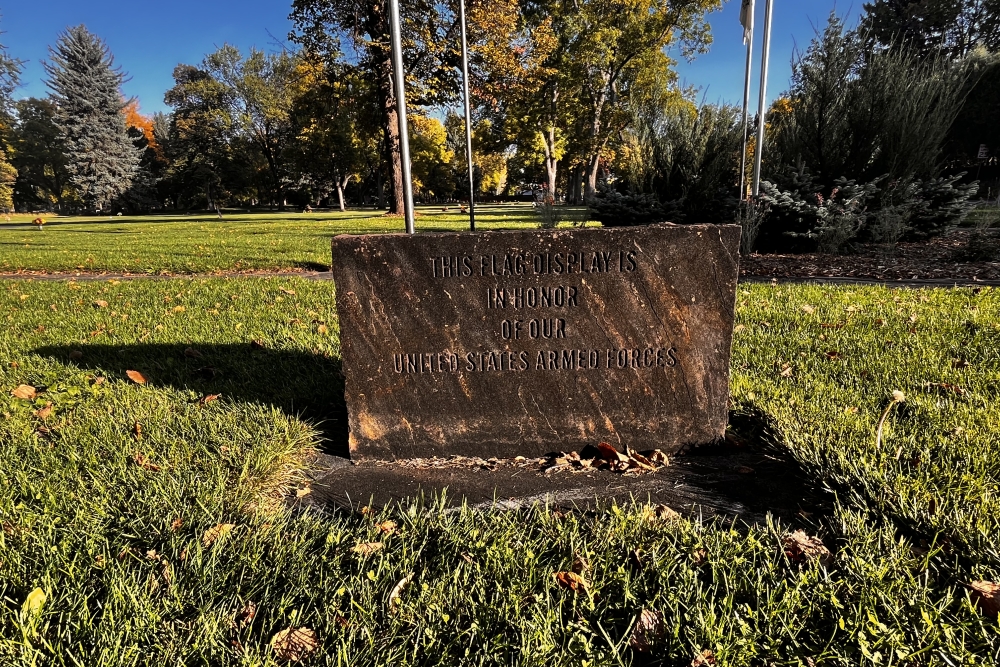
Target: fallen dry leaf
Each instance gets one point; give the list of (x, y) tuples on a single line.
[(294, 644), (44, 412), (647, 630), (706, 657), (800, 548), (807, 309), (986, 595), (101, 304), (179, 309), (610, 454), (176, 524), (24, 391), (216, 533), (303, 492), (136, 376), (786, 372), (287, 291), (137, 430), (833, 354), (387, 527), (570, 580), (397, 590), (699, 557), (144, 462), (208, 399), (366, 548), (246, 614)]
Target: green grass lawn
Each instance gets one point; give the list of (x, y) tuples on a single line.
[(111, 551), (175, 244)]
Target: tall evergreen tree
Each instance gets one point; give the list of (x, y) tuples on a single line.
[(10, 70), (85, 85)]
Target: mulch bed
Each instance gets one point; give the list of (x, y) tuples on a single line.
[(941, 258)]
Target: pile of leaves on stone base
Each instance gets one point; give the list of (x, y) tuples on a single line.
[(601, 457), (606, 457)]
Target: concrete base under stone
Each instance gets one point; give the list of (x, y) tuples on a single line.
[(725, 482)]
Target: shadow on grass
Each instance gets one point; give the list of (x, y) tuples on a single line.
[(300, 384)]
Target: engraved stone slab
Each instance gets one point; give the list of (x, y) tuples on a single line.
[(526, 342)]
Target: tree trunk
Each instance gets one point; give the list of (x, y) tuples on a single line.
[(391, 131), (551, 162), (592, 168), (341, 184)]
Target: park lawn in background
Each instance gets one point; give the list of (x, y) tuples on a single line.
[(176, 244), (161, 522)]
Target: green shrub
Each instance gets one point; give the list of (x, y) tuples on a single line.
[(613, 209)]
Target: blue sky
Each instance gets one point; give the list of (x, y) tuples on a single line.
[(149, 39)]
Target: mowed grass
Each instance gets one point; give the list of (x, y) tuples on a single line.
[(113, 497), (202, 243)]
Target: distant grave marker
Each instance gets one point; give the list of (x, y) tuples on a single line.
[(522, 343)]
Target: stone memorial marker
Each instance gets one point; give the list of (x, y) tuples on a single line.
[(516, 343)]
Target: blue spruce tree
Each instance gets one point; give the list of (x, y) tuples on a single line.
[(101, 159)]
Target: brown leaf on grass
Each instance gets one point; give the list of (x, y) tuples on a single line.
[(387, 527), (946, 387), (664, 513), (45, 412), (208, 399), (699, 557), (100, 304), (137, 431), (703, 659), (192, 353), (179, 309), (340, 620), (216, 533), (807, 309), (786, 371), (647, 630), (246, 615), (986, 596), (176, 524), (303, 492), (285, 290), (145, 463), (25, 392), (294, 644), (76, 355), (365, 549), (832, 355), (800, 548), (570, 580), (397, 590), (136, 376)]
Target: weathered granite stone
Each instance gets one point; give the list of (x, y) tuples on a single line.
[(527, 342)]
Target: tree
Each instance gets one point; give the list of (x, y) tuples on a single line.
[(863, 115), (430, 40), (431, 158), (258, 98), (952, 28), (614, 47), (201, 136), (335, 136), (10, 71), (38, 155), (86, 88)]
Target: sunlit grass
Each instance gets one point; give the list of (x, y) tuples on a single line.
[(177, 244), (107, 497)]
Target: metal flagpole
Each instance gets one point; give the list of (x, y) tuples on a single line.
[(747, 20), (759, 148), (399, 79), (468, 119)]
